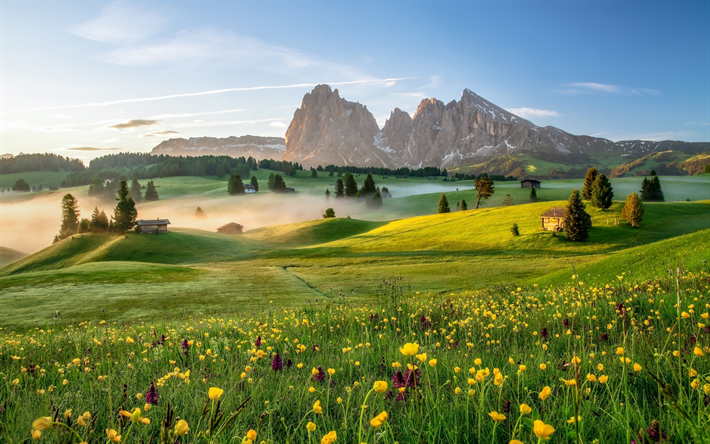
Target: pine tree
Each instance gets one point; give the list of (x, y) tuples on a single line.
[(99, 221), (70, 216), (655, 186), (514, 230), (350, 185), (368, 187), (589, 179), (151, 192), (646, 190), (464, 205), (235, 185), (314, 173), (484, 189), (444, 204), (329, 213), (279, 184), (200, 213), (255, 183), (270, 183), (125, 214), (533, 194), (577, 221), (508, 201), (96, 187), (327, 193), (339, 189), (375, 201), (458, 206), (602, 193), (633, 210), (84, 226), (136, 190)]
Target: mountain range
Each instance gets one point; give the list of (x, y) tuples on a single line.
[(469, 134)]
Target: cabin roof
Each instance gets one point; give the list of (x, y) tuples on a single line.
[(248, 186), (142, 222), (554, 212), (231, 224), (529, 180)]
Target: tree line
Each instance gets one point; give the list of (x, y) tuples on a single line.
[(23, 163)]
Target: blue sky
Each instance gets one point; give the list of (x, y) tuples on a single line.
[(75, 74)]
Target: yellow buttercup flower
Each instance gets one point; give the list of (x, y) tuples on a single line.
[(525, 409), (603, 379), (331, 371), (181, 428), (498, 417), (570, 382), (572, 420), (544, 393), (380, 386), (251, 435), (637, 367), (311, 427), (410, 349), (378, 420), (329, 438), (422, 357), (591, 377), (113, 435), (698, 352), (135, 416), (542, 430), (620, 350), (317, 408), (36, 434), (214, 393), (42, 423)]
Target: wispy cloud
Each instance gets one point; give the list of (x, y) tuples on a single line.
[(160, 133), (605, 88), (88, 148), (278, 124), (134, 123), (183, 115), (698, 123), (527, 113), (656, 137), (210, 92), (122, 23)]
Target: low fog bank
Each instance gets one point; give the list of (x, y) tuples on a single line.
[(405, 190)]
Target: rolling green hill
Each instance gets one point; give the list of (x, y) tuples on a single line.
[(8, 255)]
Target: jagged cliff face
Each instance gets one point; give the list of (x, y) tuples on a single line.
[(327, 130), (254, 146)]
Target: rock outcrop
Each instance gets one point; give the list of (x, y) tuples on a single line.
[(254, 146)]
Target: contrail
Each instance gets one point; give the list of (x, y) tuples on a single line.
[(203, 93)]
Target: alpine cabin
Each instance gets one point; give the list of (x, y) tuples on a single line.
[(553, 219), (153, 226), (230, 228), (529, 183)]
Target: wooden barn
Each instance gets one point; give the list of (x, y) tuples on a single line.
[(553, 219), (230, 228), (529, 183), (249, 188), (152, 226)]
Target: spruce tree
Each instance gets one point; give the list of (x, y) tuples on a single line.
[(314, 173), (646, 190), (329, 213), (70, 216), (484, 189), (151, 192), (444, 204), (368, 187), (339, 189), (350, 185), (99, 221), (577, 221), (633, 210), (464, 205), (533, 194), (602, 193), (200, 213), (136, 190), (458, 206), (514, 230), (589, 179), (327, 193), (125, 214), (508, 201), (655, 186), (270, 183), (84, 226), (375, 201), (279, 184), (235, 185), (255, 183)]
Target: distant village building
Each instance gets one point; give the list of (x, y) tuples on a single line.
[(529, 183), (289, 190), (152, 226), (553, 219), (230, 228), (53, 188), (108, 181), (249, 189)]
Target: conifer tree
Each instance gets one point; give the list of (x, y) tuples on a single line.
[(99, 221), (464, 205), (633, 210), (508, 201), (329, 213), (235, 185), (151, 192), (577, 221), (602, 193), (125, 214), (136, 190), (327, 193), (84, 226), (458, 206), (270, 183), (255, 183), (484, 189), (314, 173), (375, 201), (533, 194), (279, 184), (339, 189), (589, 179), (200, 213), (444, 204), (655, 186), (368, 187), (70, 216), (514, 230), (350, 185)]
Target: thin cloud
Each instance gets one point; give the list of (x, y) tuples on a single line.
[(605, 88), (528, 113), (122, 23), (278, 124), (89, 148), (134, 123), (208, 113), (210, 92), (657, 137), (698, 123), (160, 133)]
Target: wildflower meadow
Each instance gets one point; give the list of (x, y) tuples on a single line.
[(619, 362)]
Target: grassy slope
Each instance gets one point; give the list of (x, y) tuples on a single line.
[(34, 178), (8, 255)]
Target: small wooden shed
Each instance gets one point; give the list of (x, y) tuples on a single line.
[(553, 219), (529, 183), (230, 228), (151, 226)]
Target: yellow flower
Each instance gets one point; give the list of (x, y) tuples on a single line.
[(620, 351), (15, 381), (181, 428), (698, 352), (80, 421), (572, 420), (67, 413), (457, 391), (113, 436), (570, 382), (311, 390), (603, 379), (695, 384), (409, 349), (317, 408), (543, 367), (542, 430), (515, 441), (525, 409), (311, 427), (546, 391), (637, 367), (498, 417), (477, 361), (625, 361), (42, 423), (522, 368), (86, 416), (136, 416), (214, 393), (251, 435), (331, 371), (314, 371), (380, 386), (433, 362), (422, 357), (36, 434), (329, 438), (591, 377), (499, 379), (378, 420)]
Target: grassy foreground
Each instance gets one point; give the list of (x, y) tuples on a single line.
[(626, 360)]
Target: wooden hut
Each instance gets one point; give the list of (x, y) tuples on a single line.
[(553, 219), (529, 183), (230, 228), (152, 226)]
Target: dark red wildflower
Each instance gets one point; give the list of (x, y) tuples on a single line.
[(257, 343), (152, 395), (544, 333), (277, 363), (398, 380), (320, 376), (289, 363), (185, 347)]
